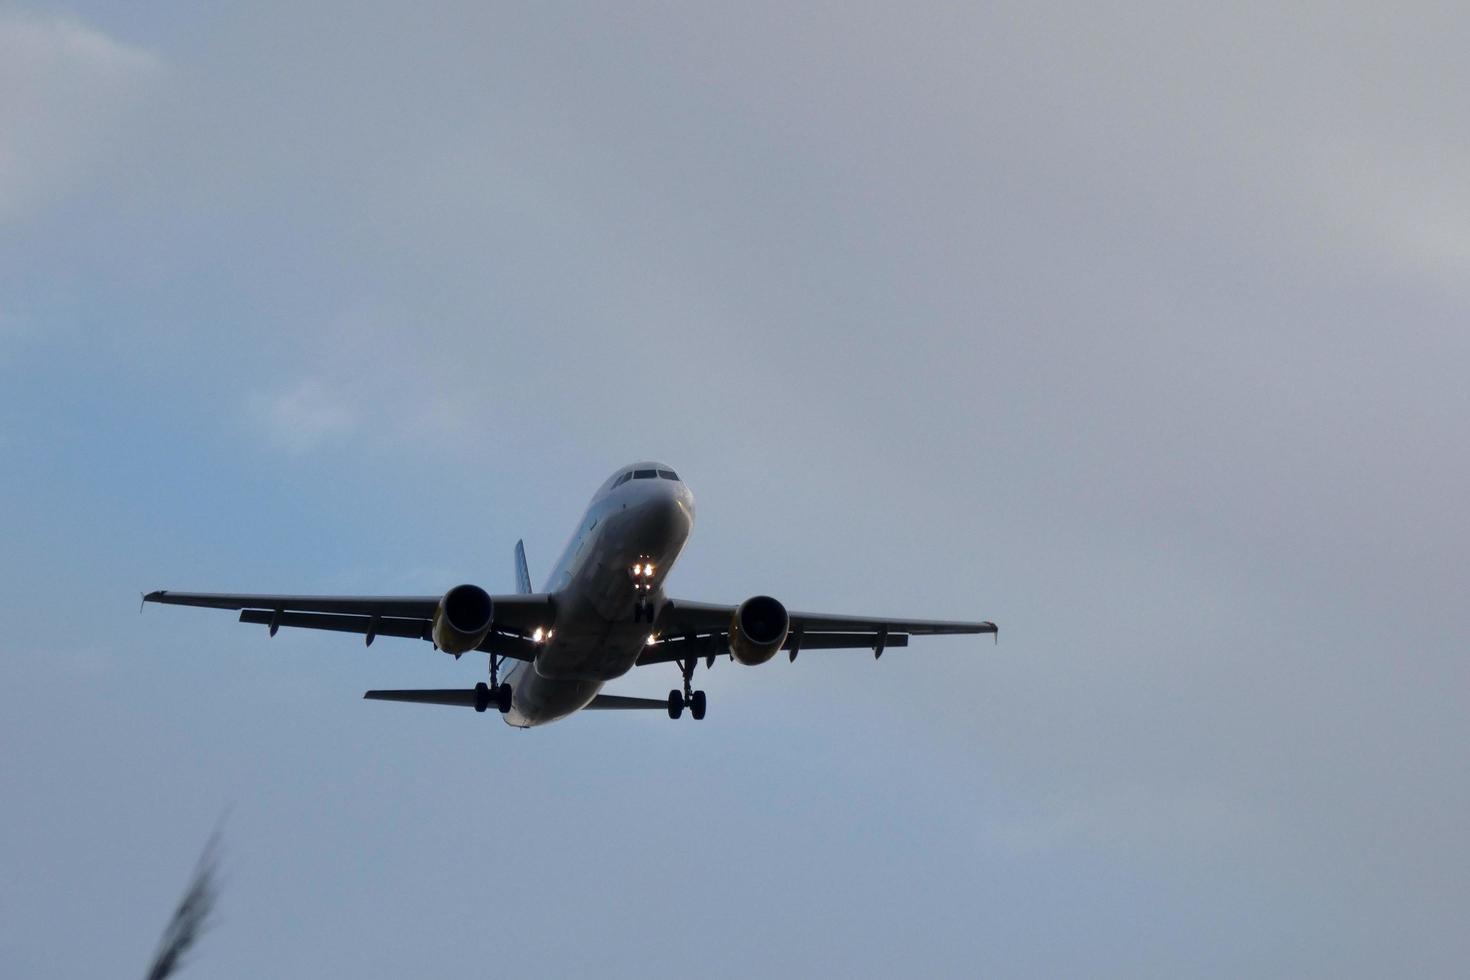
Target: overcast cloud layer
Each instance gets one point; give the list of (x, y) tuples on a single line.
[(1137, 328)]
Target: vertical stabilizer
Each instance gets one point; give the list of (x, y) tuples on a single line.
[(523, 574)]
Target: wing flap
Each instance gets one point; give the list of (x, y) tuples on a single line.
[(506, 645), (678, 647), (413, 629), (500, 644), (822, 622), (684, 617)]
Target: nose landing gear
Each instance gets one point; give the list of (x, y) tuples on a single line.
[(695, 700), (643, 582)]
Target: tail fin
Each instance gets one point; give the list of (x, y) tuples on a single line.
[(523, 574)]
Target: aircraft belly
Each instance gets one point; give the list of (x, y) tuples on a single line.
[(570, 669), (589, 645), (539, 700), (596, 655)]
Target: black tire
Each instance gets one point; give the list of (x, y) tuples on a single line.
[(676, 704), (482, 696), (696, 705), (503, 695)]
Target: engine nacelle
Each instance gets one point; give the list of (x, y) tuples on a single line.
[(463, 619), (758, 629)]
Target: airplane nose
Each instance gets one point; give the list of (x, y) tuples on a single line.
[(667, 514)]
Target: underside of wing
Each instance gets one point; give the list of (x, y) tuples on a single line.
[(514, 622), (700, 629)]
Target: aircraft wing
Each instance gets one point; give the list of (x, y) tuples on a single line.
[(703, 629), (516, 616)]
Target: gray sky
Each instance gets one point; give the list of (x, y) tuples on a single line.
[(1138, 328)]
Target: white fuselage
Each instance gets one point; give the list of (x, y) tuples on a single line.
[(597, 636)]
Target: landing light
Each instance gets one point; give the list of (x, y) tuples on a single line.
[(652, 639), (538, 636), (648, 569)]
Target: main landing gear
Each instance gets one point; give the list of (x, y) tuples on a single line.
[(495, 692), (694, 699)]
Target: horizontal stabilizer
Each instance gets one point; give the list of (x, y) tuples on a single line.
[(616, 702), (460, 697), (465, 698)]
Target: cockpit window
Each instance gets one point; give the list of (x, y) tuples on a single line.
[(668, 474), (644, 474), (623, 479)]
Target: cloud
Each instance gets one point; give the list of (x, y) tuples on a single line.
[(302, 418), (66, 91)]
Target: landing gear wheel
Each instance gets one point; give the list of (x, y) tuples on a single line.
[(496, 693), (694, 699)]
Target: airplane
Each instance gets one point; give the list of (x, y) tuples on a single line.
[(602, 612)]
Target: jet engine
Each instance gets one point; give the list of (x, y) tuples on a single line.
[(463, 619), (758, 629)]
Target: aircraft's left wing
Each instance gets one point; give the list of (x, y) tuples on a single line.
[(702, 629), (516, 617)]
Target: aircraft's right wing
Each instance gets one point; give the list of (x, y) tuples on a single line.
[(516, 616)]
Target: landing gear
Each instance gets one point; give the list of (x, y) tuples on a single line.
[(695, 700), (495, 692), (644, 612)]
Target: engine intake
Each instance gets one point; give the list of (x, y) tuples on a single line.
[(758, 629), (463, 619)]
